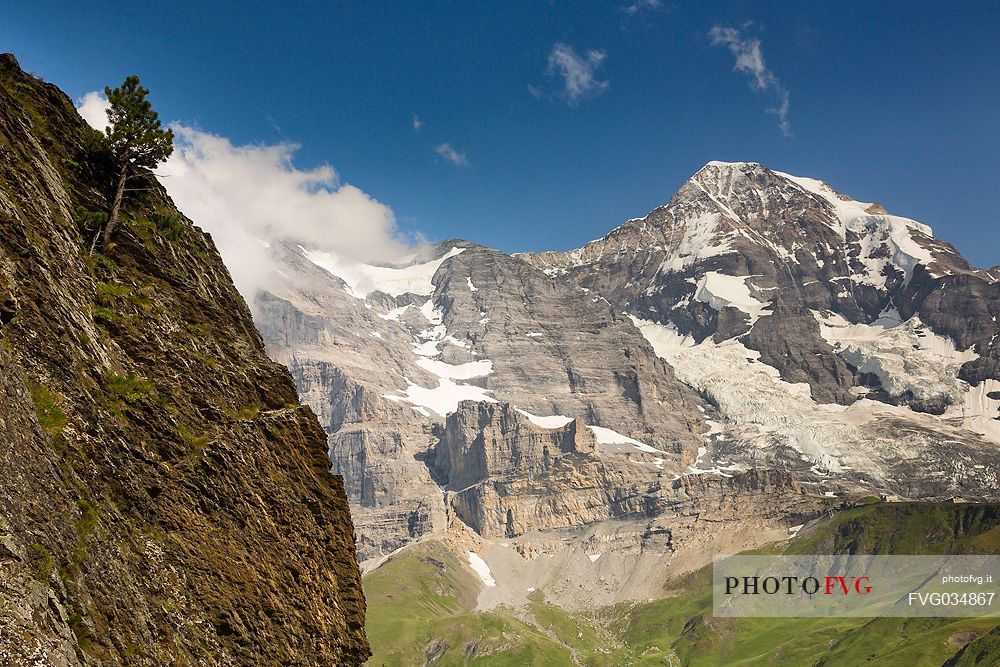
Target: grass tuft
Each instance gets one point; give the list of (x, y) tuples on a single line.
[(48, 410)]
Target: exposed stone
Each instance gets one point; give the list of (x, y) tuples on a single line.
[(165, 499)]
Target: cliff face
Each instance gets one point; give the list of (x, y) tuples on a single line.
[(504, 477), (164, 498), (464, 323)]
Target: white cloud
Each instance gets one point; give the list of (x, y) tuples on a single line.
[(94, 108), (640, 5), (249, 197), (417, 123), (451, 155), (579, 73), (750, 60)]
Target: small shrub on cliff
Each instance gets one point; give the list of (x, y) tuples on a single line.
[(169, 223), (88, 221), (88, 517), (43, 564)]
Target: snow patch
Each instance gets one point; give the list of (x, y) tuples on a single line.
[(394, 314), (443, 399), (605, 436), (553, 421), (715, 469), (466, 371), (431, 313), (906, 356), (363, 279), (978, 411), (719, 290), (482, 569)]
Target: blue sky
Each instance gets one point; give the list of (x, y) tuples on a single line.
[(563, 119)]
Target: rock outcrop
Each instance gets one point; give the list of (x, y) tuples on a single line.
[(164, 498), (505, 477)]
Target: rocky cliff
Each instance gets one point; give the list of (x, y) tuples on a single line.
[(384, 364), (164, 499)]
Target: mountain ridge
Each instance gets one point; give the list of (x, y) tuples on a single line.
[(814, 219)]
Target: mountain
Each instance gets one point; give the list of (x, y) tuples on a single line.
[(739, 242), (760, 331), (753, 356), (384, 368), (165, 499)]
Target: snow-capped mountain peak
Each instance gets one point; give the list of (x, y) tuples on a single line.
[(756, 319)]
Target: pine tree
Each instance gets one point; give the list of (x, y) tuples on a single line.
[(134, 141)]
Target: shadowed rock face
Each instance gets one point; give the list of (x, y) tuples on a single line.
[(164, 497)]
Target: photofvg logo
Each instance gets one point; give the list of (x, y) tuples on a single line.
[(788, 585), (856, 586)]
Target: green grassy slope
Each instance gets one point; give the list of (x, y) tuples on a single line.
[(419, 611), (419, 607)]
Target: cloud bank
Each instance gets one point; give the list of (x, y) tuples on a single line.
[(249, 197), (579, 73), (750, 60)]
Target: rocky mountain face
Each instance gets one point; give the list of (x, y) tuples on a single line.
[(838, 297), (385, 365), (759, 334), (165, 499), (739, 242)]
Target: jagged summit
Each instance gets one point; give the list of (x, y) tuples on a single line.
[(728, 180), (740, 241)]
